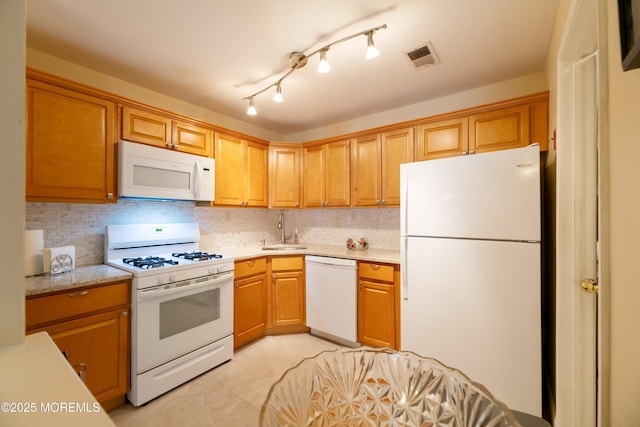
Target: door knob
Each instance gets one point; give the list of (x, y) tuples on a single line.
[(589, 286)]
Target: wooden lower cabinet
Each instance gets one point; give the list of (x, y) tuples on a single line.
[(379, 305), (287, 295), (250, 301), (91, 327)]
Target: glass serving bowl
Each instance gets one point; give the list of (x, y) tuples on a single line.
[(379, 388)]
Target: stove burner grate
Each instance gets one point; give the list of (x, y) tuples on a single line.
[(195, 256), (149, 262)]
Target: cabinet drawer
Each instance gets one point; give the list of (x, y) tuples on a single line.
[(250, 267), (371, 270), (47, 309), (286, 263)]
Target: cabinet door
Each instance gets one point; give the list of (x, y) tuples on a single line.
[(250, 314), (191, 138), (337, 173), (445, 138), (397, 148), (284, 177), (376, 314), (366, 169), (288, 299), (257, 174), (145, 127), (539, 123), (70, 145), (499, 130), (229, 170), (314, 166), (97, 347)]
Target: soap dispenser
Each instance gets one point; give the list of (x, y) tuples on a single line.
[(295, 236)]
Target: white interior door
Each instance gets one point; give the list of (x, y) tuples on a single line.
[(577, 219)]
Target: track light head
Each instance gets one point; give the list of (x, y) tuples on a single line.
[(323, 66), (372, 52), (252, 108), (277, 97)]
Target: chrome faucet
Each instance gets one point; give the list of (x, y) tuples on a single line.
[(283, 237)]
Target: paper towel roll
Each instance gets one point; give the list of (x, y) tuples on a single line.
[(59, 260), (33, 245)]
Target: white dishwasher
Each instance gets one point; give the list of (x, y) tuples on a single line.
[(332, 298)]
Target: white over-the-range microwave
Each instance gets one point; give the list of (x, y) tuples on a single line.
[(157, 173)]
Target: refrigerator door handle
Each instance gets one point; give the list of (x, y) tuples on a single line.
[(404, 194), (404, 279)]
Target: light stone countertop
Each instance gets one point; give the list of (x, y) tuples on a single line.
[(95, 275), (389, 256), (39, 388), (79, 277)]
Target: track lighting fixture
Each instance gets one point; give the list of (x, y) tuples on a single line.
[(298, 60)]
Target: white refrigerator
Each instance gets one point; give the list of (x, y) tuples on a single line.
[(471, 269)]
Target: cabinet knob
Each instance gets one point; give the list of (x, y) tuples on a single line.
[(110, 196), (251, 263), (81, 370), (464, 153), (375, 266), (472, 151), (297, 204), (384, 201), (377, 202), (273, 276)]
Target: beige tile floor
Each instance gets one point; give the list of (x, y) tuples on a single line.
[(230, 395)]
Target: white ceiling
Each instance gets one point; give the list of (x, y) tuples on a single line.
[(214, 53)]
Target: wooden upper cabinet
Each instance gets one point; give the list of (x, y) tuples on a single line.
[(145, 127), (366, 170), (397, 148), (284, 175), (338, 187), (155, 129), (70, 145), (445, 138), (241, 172), (539, 123), (313, 176), (499, 130), (375, 167), (327, 174), (190, 138), (256, 185)]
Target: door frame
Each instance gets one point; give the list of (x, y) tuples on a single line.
[(582, 362)]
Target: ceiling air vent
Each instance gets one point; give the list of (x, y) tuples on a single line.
[(423, 56)]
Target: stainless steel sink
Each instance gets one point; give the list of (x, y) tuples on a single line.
[(283, 247)]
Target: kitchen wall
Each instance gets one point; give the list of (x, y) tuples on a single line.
[(82, 225), (624, 231), (12, 171)]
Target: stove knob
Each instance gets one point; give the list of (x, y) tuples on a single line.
[(213, 270), (161, 280), (172, 278)]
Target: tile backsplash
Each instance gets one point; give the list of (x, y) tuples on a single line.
[(82, 225)]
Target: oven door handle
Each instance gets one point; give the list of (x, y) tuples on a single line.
[(181, 287)]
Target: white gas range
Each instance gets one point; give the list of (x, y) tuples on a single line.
[(182, 304)]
